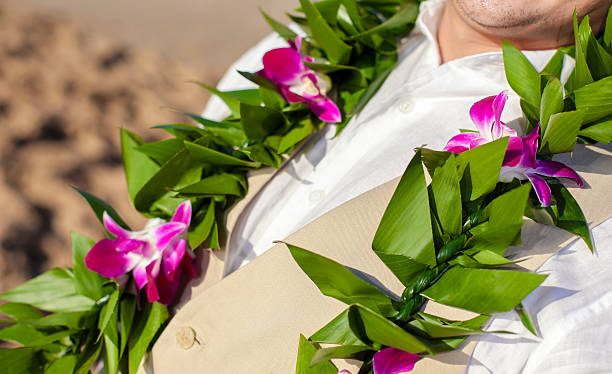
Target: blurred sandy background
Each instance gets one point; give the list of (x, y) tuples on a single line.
[(71, 73)]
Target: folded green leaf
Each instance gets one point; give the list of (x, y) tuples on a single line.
[(108, 311), (479, 168), (406, 15), (447, 197), (342, 351), (86, 282), (296, 135), (111, 342), (568, 214), (437, 328), (306, 352), (150, 319), (404, 268), (20, 311), (218, 184), (100, 206), (29, 336), (561, 132), (552, 101), (581, 75), (53, 291), (595, 100), (20, 361), (161, 151), (259, 122), (139, 168), (207, 155), (483, 291), (62, 365), (337, 281), (202, 225), (282, 30), (405, 228), (127, 309), (337, 51), (371, 327), (338, 331), (601, 132), (175, 173), (521, 75)]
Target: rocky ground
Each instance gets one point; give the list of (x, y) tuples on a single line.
[(63, 96)]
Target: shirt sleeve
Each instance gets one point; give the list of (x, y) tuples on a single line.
[(572, 311)]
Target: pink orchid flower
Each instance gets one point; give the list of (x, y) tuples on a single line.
[(392, 361), (486, 115), (520, 162), (157, 255), (297, 83)]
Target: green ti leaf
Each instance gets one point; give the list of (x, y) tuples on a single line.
[(581, 75), (479, 168), (552, 101), (561, 132), (139, 168), (202, 225), (568, 214), (337, 281), (595, 99), (483, 291), (259, 122), (86, 282), (53, 291), (447, 197), (406, 15), (149, 321), (601, 131), (337, 331), (306, 352), (282, 30), (20, 361), (521, 75), (336, 50), (206, 155), (372, 328), (405, 228)]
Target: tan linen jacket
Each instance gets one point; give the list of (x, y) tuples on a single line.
[(250, 321)]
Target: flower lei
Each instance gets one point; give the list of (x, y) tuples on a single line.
[(65, 319)]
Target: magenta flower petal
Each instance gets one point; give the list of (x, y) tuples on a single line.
[(172, 258), (283, 65), (498, 127), (514, 152), (183, 213), (394, 361), (558, 170), (461, 142), (166, 232), (113, 227), (541, 188), (106, 260), (326, 110), (152, 293), (188, 267), (166, 288), (482, 114)]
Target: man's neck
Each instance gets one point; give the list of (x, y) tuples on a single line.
[(459, 37)]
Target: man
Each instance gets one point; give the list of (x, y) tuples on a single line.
[(250, 321)]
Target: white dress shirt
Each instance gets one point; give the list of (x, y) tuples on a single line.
[(422, 102)]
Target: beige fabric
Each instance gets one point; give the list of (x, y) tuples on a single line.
[(250, 321)]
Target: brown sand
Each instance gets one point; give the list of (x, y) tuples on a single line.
[(63, 96)]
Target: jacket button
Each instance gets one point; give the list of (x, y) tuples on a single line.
[(185, 337)]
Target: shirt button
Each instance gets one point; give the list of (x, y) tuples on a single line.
[(405, 105), (316, 196)]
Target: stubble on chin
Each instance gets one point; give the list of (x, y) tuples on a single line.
[(496, 14)]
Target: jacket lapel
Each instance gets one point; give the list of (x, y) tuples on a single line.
[(251, 321)]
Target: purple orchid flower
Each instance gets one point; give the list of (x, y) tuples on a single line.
[(520, 159), (520, 162), (486, 115), (392, 361), (157, 255), (297, 83)]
